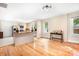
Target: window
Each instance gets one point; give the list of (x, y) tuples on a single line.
[(76, 25), (46, 26)]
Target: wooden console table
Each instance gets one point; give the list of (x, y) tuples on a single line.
[(1, 34), (51, 36)]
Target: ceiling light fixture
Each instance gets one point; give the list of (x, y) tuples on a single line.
[(47, 6)]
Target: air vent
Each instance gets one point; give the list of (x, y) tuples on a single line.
[(4, 5)]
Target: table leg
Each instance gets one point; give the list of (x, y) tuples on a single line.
[(61, 38), (50, 36)]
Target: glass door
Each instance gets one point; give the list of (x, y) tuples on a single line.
[(73, 30), (76, 26)]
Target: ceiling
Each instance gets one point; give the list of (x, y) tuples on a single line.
[(27, 12)]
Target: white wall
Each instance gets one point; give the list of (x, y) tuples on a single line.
[(6, 27), (39, 29), (54, 23), (62, 22), (57, 23)]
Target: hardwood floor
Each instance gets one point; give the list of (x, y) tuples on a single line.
[(41, 47)]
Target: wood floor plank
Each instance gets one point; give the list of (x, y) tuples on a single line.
[(41, 47), (40, 50)]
